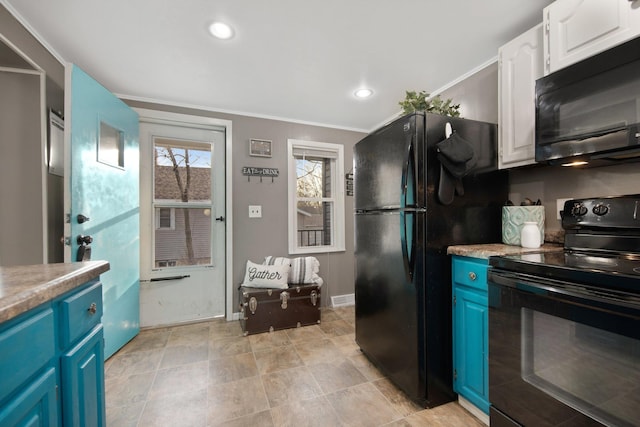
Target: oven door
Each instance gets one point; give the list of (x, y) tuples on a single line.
[(561, 353)]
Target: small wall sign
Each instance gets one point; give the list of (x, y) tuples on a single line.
[(260, 147), (256, 171), (348, 179)]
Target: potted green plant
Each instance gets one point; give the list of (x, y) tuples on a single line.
[(420, 101)]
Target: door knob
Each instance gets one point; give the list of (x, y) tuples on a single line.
[(220, 218), (82, 219), (84, 240)]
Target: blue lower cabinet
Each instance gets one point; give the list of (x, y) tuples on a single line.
[(470, 330), (52, 363)]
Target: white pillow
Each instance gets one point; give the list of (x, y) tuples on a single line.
[(304, 270), (266, 276)]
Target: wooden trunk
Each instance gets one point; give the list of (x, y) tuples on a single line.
[(266, 310)]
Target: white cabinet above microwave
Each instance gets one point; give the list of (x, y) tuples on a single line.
[(520, 64), (578, 29)]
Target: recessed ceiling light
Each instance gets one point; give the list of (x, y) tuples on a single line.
[(221, 30), (363, 93)]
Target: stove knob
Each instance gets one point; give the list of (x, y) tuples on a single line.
[(600, 209), (578, 209)]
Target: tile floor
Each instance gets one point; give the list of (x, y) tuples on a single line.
[(208, 374)]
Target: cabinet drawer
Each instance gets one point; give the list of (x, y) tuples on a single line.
[(80, 312), (25, 347), (471, 272)]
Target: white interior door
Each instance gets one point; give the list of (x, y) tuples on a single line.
[(182, 211)]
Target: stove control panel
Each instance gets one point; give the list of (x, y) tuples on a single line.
[(619, 212)]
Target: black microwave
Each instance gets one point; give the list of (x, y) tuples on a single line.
[(590, 111)]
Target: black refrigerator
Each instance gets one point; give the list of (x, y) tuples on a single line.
[(408, 209)]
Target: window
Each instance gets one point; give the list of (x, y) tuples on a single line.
[(182, 203), (165, 219), (316, 197), (111, 146)]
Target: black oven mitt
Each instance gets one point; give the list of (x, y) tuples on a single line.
[(457, 159)]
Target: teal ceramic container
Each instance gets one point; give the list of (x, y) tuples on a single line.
[(513, 219)]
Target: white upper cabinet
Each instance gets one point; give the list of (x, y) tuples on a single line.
[(520, 63), (578, 29)]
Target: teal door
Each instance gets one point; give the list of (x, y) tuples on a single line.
[(102, 184)]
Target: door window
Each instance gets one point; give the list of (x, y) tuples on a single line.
[(182, 203), (593, 370)]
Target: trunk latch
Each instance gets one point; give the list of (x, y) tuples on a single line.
[(253, 305), (284, 296)]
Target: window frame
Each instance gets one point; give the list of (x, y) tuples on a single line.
[(337, 198)]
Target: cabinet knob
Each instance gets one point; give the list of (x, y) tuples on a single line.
[(472, 275), (92, 308)]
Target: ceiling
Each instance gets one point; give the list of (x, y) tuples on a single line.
[(297, 60)]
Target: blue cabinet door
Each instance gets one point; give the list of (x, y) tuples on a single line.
[(83, 400), (471, 338), (103, 186), (35, 405)]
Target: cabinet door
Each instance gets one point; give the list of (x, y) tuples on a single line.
[(578, 29), (520, 64), (35, 405), (83, 382), (471, 358)]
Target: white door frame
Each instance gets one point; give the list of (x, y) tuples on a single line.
[(164, 117)]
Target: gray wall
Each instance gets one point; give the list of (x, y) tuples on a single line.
[(24, 129), (21, 189), (478, 96), (253, 239)]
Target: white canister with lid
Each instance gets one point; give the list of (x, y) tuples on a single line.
[(530, 235)]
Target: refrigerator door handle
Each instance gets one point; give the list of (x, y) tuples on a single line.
[(408, 200), (407, 242), (407, 197)]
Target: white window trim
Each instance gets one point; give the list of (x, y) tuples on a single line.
[(338, 242)]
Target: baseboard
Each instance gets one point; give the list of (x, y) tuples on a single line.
[(343, 300), (475, 411), (180, 323)]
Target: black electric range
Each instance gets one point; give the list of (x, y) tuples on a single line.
[(564, 327)]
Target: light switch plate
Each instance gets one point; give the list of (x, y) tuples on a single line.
[(255, 211)]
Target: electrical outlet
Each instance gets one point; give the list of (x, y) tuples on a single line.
[(255, 211), (560, 206)]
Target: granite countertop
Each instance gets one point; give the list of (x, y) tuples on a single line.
[(491, 249), (27, 286)]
